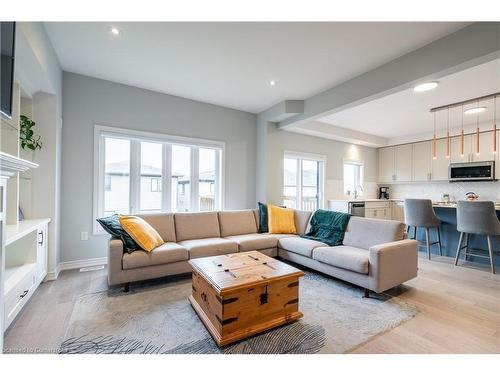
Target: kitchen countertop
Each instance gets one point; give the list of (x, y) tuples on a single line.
[(365, 200), (454, 205)]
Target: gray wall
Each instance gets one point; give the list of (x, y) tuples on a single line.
[(89, 101), (279, 141)]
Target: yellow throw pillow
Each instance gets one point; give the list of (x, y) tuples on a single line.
[(281, 220), (142, 233)]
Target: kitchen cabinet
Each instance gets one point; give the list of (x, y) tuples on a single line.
[(403, 162), (398, 211), (422, 161), (378, 210), (440, 165), (395, 163), (470, 155), (485, 147), (386, 164)]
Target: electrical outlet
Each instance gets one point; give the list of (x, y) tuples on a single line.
[(84, 236)]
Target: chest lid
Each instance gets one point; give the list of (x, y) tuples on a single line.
[(228, 273)]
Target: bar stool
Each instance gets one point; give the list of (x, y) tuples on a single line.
[(477, 217), (419, 213)]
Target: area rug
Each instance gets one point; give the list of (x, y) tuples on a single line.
[(158, 319)]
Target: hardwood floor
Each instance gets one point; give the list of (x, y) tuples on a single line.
[(460, 312)]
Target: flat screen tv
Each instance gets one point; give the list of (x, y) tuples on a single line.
[(7, 46)]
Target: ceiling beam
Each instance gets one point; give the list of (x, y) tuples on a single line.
[(468, 47)]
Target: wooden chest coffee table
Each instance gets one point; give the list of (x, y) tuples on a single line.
[(239, 295)]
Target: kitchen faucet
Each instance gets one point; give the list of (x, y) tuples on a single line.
[(356, 191)]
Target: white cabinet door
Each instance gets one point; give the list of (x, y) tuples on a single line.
[(386, 164), (403, 162), (422, 161), (456, 149), (485, 147), (397, 211), (441, 163), (41, 252)]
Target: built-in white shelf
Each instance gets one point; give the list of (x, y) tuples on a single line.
[(15, 232), (14, 275)]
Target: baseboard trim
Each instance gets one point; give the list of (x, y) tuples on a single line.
[(75, 264), (71, 265), (53, 275)]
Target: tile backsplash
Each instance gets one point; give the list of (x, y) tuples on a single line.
[(456, 190)]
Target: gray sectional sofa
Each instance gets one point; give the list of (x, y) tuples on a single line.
[(375, 253)]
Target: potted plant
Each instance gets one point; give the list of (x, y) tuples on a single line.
[(29, 141)]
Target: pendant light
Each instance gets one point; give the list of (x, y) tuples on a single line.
[(434, 152), (462, 135), (495, 125), (477, 130), (448, 134)]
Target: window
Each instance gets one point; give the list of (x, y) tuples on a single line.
[(155, 185), (353, 178), (303, 181), (140, 172)]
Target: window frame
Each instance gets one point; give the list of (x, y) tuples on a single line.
[(135, 137), (361, 175), (300, 156)]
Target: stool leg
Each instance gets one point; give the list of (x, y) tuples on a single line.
[(458, 247), (427, 243), (467, 243), (439, 242), (414, 233), (490, 250)]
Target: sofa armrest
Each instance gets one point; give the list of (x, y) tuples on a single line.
[(115, 257), (393, 263)]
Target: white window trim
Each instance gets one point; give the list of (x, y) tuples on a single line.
[(313, 157), (167, 140), (358, 162)]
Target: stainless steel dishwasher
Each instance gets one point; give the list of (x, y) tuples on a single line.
[(357, 208)]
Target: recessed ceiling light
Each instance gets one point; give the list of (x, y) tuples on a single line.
[(115, 31), (272, 83), (473, 111), (425, 86)]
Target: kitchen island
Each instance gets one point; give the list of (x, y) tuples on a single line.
[(447, 213)]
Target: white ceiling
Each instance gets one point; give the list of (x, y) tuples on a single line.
[(231, 64), (406, 113)]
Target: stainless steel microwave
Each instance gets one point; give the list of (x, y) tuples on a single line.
[(474, 171)]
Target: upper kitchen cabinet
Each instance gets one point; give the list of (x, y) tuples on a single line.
[(456, 149), (485, 147), (422, 161), (470, 144), (403, 162), (386, 164), (441, 163)]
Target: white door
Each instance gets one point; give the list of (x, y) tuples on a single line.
[(441, 163), (386, 164), (402, 159), (422, 161)]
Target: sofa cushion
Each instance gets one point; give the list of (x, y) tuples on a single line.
[(302, 220), (169, 252), (364, 233), (255, 241), (281, 220), (233, 223), (298, 245), (143, 234), (206, 247), (346, 257), (195, 225), (163, 223)]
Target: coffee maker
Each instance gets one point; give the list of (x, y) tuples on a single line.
[(383, 192)]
